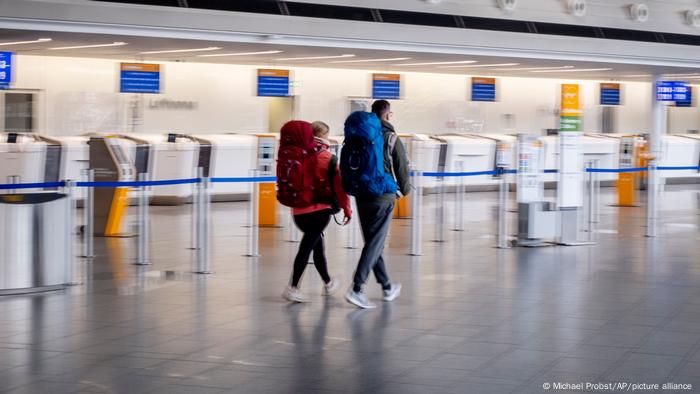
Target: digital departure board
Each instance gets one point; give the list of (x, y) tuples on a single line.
[(139, 78), (273, 83), (483, 89), (386, 86)]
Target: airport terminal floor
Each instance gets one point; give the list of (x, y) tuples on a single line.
[(471, 318)]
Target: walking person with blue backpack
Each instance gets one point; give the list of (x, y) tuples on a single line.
[(374, 169)]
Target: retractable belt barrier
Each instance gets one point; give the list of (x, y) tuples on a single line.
[(168, 182), (201, 181)]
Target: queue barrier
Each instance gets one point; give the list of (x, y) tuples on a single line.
[(202, 183), (167, 182)]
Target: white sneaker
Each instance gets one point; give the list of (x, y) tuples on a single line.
[(392, 293), (331, 287), (358, 299), (293, 294)]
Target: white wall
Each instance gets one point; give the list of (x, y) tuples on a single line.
[(80, 95)]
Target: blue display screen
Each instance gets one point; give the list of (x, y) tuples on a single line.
[(609, 96), (273, 86), (386, 89), (689, 101), (483, 92), (672, 91), (5, 69), (139, 78)]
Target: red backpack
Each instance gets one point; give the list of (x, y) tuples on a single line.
[(296, 165)]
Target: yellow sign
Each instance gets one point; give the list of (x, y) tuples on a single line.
[(570, 100)]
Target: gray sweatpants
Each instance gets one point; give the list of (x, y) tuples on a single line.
[(375, 218)]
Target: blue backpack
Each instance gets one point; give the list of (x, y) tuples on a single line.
[(362, 157)]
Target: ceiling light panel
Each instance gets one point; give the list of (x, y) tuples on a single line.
[(573, 70), (482, 65), (315, 57), (25, 42), (114, 44), (240, 54), (435, 63), (533, 68), (181, 50), (396, 59)]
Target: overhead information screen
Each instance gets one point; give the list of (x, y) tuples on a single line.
[(483, 89), (609, 94), (273, 83), (689, 101), (386, 86), (5, 69), (672, 91), (139, 78)]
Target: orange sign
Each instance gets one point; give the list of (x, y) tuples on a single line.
[(607, 85), (273, 73), (386, 77), (484, 81), (146, 67), (570, 100)]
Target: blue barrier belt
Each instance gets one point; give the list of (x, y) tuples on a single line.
[(249, 179), (272, 178), (32, 185), (164, 182), (662, 168), (446, 174), (616, 170)]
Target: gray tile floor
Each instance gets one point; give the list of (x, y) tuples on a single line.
[(471, 319)]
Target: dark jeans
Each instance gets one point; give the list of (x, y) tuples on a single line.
[(375, 218), (312, 225)]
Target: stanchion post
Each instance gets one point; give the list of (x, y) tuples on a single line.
[(89, 216), (502, 236), (253, 242), (143, 247), (440, 212), (193, 211), (68, 190), (591, 198), (652, 195), (13, 179), (353, 227), (459, 223), (416, 210), (203, 233)]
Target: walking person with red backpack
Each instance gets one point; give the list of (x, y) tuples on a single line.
[(374, 168), (308, 180)]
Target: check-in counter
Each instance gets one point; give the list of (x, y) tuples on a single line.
[(680, 150), (227, 156), (22, 159)]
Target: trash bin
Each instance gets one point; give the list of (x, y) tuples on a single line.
[(35, 242)]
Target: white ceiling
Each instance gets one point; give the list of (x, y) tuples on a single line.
[(482, 65)]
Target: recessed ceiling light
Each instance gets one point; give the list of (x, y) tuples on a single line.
[(315, 57), (396, 59), (436, 63), (681, 75), (114, 44), (533, 68), (239, 54), (182, 50), (482, 65), (573, 70), (25, 42)]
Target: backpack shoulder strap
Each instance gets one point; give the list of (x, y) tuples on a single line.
[(390, 143)]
